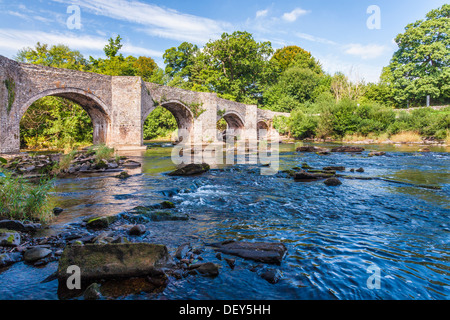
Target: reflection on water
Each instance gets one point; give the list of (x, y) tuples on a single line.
[(333, 235)]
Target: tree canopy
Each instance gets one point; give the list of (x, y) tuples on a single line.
[(421, 65)]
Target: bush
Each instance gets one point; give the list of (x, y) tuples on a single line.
[(21, 200)]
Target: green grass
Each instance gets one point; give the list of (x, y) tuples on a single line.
[(101, 152), (25, 201)]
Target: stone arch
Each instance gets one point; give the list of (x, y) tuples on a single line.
[(235, 124), (97, 110), (183, 116), (262, 125)]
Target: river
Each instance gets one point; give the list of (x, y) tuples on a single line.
[(337, 237)]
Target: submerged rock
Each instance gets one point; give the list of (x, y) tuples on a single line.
[(377, 153), (106, 261), (348, 149), (265, 252), (270, 275), (7, 259), (12, 225), (182, 251), (207, 269), (360, 170), (141, 214), (191, 169), (123, 175), (57, 211)]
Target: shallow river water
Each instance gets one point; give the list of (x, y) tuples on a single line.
[(336, 236)]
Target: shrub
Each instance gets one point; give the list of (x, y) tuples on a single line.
[(21, 200)]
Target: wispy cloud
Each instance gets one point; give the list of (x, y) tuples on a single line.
[(13, 40), (365, 52), (262, 13), (158, 21), (312, 38), (294, 14)]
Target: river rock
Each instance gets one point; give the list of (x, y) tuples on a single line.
[(231, 262), (9, 238), (360, 170), (92, 292), (191, 169), (377, 153), (334, 168), (348, 149), (265, 252), (207, 269), (270, 275), (12, 225), (307, 176), (123, 175), (182, 251), (36, 253), (57, 211), (7, 259), (137, 230), (311, 149), (106, 261), (101, 222), (332, 182)]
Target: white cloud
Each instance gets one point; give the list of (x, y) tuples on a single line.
[(11, 41), (294, 14), (262, 13), (370, 51), (314, 38), (158, 21)]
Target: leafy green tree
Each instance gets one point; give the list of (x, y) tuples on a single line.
[(295, 56), (421, 65), (58, 56)]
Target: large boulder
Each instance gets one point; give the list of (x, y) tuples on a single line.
[(12, 225), (111, 261), (265, 252), (191, 169)]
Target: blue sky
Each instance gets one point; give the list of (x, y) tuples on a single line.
[(335, 32)]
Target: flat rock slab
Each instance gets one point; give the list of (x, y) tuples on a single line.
[(265, 252), (112, 261)]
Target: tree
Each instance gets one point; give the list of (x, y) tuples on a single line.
[(295, 56), (180, 60), (58, 56), (113, 47), (420, 66)]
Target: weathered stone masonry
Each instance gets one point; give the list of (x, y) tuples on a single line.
[(118, 106)]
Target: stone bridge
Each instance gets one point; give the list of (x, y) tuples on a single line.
[(118, 106)]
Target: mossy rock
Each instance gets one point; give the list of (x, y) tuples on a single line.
[(101, 165), (101, 222), (166, 216), (123, 175), (111, 261), (9, 238)]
